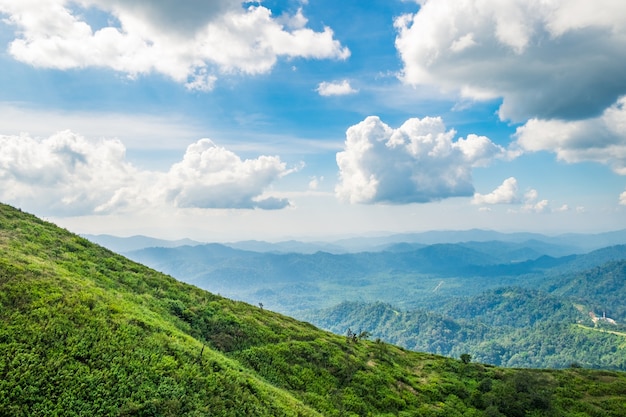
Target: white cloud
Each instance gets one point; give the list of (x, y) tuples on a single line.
[(506, 193), (67, 174), (63, 173), (418, 162), (622, 199), (464, 42), (546, 59), (601, 139), (191, 42), (184, 18), (533, 204), (210, 176), (314, 183), (340, 88)]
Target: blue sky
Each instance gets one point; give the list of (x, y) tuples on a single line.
[(268, 120)]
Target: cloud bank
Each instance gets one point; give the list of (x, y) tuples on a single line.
[(64, 173), (416, 163), (191, 42), (600, 139), (67, 174), (557, 59), (559, 67)]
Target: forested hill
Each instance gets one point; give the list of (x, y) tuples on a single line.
[(511, 327), (577, 317), (86, 332)]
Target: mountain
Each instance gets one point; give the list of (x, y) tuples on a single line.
[(602, 288), (475, 297), (289, 246), (576, 317), (408, 276), (128, 244), (559, 245), (571, 242), (511, 327), (88, 332)]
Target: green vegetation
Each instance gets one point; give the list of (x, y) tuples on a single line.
[(414, 278), (86, 332), (446, 299), (293, 283), (509, 326), (601, 289)]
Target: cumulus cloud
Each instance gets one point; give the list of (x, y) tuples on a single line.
[(622, 199), (558, 59), (191, 42), (418, 162), (340, 88), (68, 174), (186, 18), (533, 204), (210, 176), (506, 193), (601, 139), (64, 173)]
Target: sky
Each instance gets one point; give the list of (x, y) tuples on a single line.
[(224, 120)]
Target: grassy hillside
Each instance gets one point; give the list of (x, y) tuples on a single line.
[(87, 332)]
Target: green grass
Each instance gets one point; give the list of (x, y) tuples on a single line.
[(87, 332)]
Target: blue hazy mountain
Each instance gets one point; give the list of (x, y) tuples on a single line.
[(127, 244)]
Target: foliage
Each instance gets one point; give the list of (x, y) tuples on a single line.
[(511, 327), (86, 332), (418, 277), (602, 288), (506, 304)]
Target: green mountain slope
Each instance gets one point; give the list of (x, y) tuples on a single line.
[(87, 332), (601, 289), (511, 327)]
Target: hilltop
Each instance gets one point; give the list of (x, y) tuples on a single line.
[(88, 332)]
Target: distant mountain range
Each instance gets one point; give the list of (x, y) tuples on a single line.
[(441, 292), (128, 244), (566, 243)]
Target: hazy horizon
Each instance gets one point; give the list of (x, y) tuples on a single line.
[(330, 239)]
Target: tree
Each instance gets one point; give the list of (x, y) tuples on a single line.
[(466, 358)]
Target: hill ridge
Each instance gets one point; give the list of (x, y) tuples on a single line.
[(88, 332)]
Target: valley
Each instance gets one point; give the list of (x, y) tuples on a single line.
[(507, 303)]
